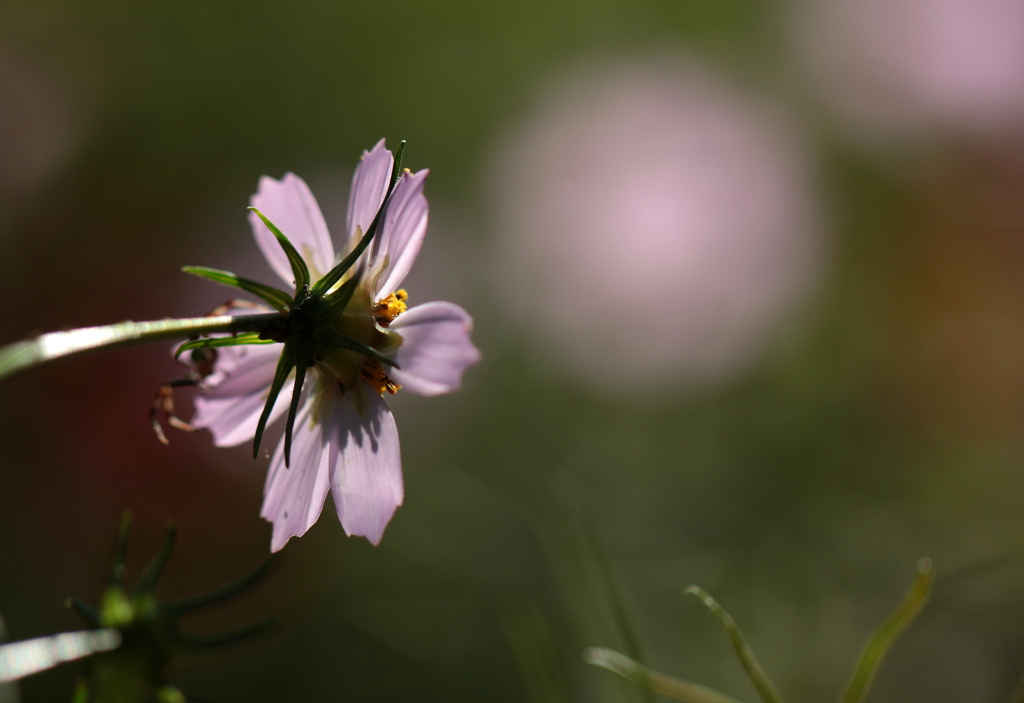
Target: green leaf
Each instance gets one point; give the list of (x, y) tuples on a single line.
[(878, 645), (284, 367), (55, 345), (208, 342), (301, 364), (653, 681), (299, 268), (335, 274), (746, 655), (277, 299)]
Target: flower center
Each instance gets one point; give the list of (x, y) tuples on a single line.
[(363, 322)]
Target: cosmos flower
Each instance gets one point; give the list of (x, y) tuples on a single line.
[(359, 341), (897, 71), (692, 205)]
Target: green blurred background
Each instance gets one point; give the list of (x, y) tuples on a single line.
[(876, 415)]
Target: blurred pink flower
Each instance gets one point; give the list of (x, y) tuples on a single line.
[(915, 66), (656, 225), (345, 437)]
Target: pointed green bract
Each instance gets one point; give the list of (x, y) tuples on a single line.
[(337, 339), (284, 367), (213, 342), (746, 655), (335, 274), (116, 577), (54, 345), (337, 300), (187, 605), (301, 364), (147, 584), (653, 681), (277, 299), (876, 648), (84, 611), (202, 643), (299, 268)]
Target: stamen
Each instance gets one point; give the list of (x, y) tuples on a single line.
[(375, 375), (390, 307)]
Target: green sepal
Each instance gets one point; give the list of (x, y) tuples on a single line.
[(335, 274), (878, 645), (651, 680), (277, 299), (208, 342), (284, 367), (301, 364), (337, 339), (746, 655), (299, 268), (148, 581), (55, 345)]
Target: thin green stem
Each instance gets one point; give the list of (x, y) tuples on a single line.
[(21, 355)]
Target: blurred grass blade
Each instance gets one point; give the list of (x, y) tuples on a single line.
[(21, 659), (284, 367), (875, 650), (187, 605), (276, 298), (299, 268), (54, 345), (661, 684), (746, 655), (335, 274), (208, 342), (536, 652), (151, 577)]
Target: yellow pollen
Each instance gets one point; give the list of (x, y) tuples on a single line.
[(373, 373), (391, 307)]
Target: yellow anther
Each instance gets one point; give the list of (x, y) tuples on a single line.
[(391, 307)]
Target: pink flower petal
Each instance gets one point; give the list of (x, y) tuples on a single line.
[(289, 205), (435, 349), (366, 464), (236, 392), (405, 224), (294, 496), (369, 186)]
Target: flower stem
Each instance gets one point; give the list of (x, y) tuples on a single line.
[(21, 355)]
